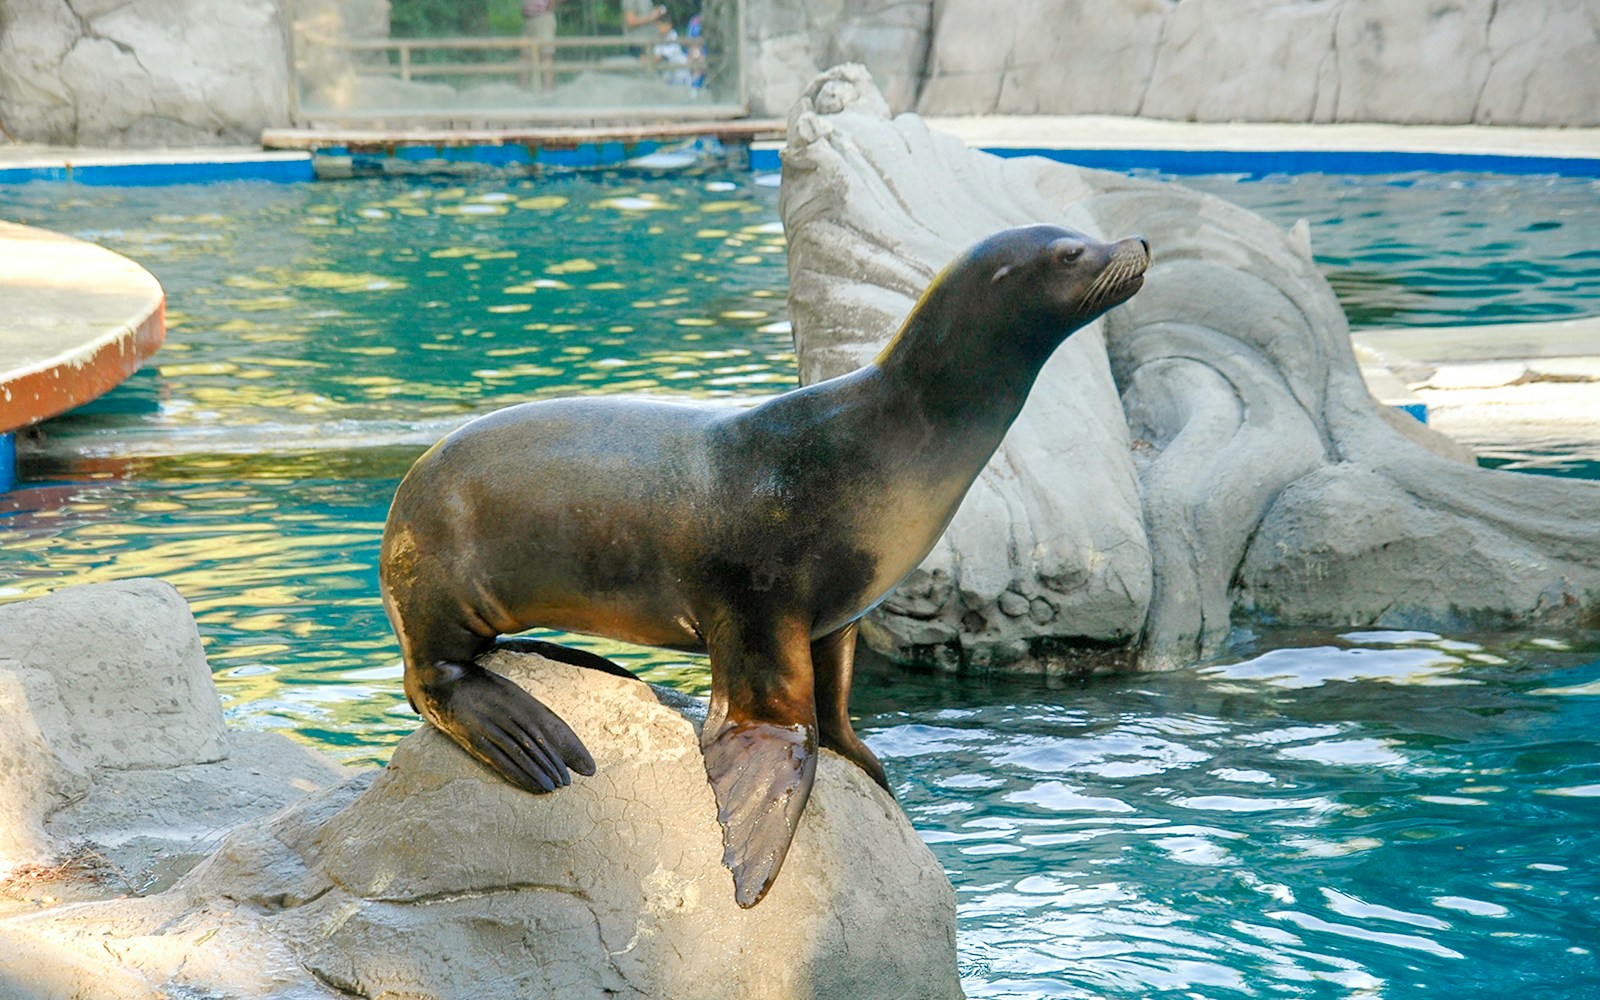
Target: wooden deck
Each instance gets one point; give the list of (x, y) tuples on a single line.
[(537, 136)]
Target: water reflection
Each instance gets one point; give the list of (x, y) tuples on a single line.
[(374, 313)]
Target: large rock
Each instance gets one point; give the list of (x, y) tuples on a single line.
[(1216, 453), (112, 738), (438, 879), (150, 72)]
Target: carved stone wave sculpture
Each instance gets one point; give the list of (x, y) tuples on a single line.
[(1205, 453)]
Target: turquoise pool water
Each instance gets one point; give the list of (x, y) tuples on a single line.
[(1441, 249), (1394, 815), (1374, 815)]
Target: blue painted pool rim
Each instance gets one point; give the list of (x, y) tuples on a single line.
[(764, 157), (155, 172)]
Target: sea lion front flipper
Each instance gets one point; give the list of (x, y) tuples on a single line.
[(500, 724), (833, 661), (760, 746)]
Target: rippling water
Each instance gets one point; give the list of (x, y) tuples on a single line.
[(1441, 249), (339, 316), (1373, 815)]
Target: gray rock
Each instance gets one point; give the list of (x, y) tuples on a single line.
[(437, 879), (1210, 449), (788, 43), (155, 72), (112, 737), (1042, 57)]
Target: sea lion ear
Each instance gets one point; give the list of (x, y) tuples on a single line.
[(1005, 269)]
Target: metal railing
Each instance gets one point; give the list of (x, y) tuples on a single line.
[(532, 53)]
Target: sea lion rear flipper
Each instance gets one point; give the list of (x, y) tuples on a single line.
[(759, 741), (761, 774)]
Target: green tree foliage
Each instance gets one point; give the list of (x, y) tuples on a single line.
[(476, 18), (455, 18)]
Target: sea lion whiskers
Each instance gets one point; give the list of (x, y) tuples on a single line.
[(1129, 261)]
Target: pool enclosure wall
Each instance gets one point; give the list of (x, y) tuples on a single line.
[(484, 61)]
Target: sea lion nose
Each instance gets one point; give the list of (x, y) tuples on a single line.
[(1144, 243)]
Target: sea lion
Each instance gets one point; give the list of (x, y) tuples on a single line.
[(760, 535)]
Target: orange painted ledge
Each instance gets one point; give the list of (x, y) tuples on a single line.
[(75, 321)]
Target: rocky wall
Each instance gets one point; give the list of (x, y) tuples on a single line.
[(1489, 62), (142, 73), (176, 72)]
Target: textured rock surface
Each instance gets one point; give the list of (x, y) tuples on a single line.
[(788, 43), (111, 735), (1501, 62), (147, 72), (1216, 452), (438, 879)]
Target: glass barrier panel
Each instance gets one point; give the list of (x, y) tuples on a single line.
[(516, 61)]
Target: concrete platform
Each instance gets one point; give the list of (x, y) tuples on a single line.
[(78, 320), (1110, 132), (1516, 387), (1114, 143)]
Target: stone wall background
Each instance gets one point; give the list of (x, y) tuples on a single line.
[(131, 72), (1489, 62), (142, 72)]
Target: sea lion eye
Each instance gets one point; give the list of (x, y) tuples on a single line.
[(1067, 251)]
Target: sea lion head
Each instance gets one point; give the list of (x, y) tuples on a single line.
[(1059, 278)]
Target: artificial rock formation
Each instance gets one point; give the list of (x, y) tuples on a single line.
[(789, 43), (1499, 62), (145, 72), (434, 878), (1207, 450), (112, 739), (166, 72)]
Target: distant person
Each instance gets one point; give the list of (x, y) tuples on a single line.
[(697, 52), (539, 24), (639, 19), (671, 56)]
